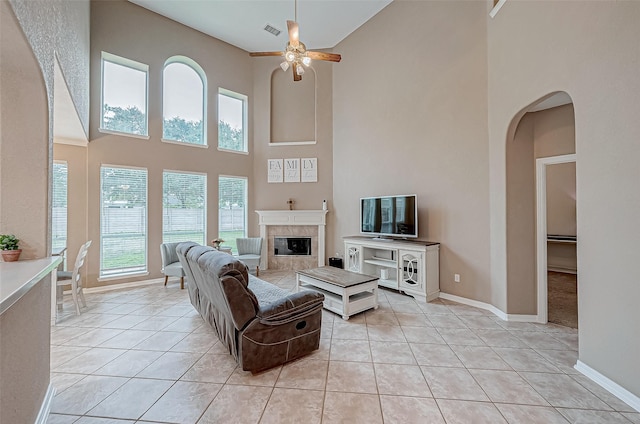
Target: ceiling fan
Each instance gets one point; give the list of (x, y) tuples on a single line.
[(296, 54)]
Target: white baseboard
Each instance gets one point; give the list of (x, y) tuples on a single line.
[(563, 270), (522, 318), (475, 303), (133, 284), (609, 385), (43, 414), (488, 307)]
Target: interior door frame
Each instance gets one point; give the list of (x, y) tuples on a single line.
[(541, 228)]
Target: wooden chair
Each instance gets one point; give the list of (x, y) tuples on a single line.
[(73, 278)]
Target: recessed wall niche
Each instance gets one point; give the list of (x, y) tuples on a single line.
[(293, 108)]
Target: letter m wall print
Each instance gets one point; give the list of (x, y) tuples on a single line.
[(292, 170)]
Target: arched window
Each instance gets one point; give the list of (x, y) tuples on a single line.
[(183, 102)]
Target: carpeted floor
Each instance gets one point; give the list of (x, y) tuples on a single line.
[(562, 303)]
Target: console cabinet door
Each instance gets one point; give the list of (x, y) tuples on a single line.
[(353, 256), (412, 271)]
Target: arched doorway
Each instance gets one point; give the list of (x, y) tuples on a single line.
[(543, 130)]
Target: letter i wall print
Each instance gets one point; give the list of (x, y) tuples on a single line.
[(292, 170)]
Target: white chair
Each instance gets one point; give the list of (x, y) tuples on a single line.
[(73, 278), (171, 266), (249, 252)]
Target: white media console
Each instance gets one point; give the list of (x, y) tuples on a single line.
[(411, 267)]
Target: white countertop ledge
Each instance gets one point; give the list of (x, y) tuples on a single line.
[(17, 278)]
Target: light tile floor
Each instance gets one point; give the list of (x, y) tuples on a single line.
[(144, 355)]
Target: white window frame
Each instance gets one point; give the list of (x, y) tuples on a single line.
[(198, 69), (66, 232), (122, 61), (109, 277), (246, 199), (206, 198), (245, 119)]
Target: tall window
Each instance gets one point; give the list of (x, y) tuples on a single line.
[(59, 207), (123, 221), (232, 121), (124, 95), (232, 213), (183, 103), (184, 199)]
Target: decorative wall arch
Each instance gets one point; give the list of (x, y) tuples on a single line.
[(293, 108), (521, 231)]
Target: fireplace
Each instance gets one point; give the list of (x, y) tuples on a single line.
[(288, 224), (292, 246)]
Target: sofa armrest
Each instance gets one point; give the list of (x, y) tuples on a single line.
[(291, 307)]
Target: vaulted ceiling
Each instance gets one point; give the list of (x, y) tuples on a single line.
[(323, 23)]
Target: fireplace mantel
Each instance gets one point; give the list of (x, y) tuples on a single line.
[(292, 217)]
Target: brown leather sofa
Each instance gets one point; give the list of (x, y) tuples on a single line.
[(261, 324)]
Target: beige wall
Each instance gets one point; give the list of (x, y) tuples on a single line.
[(292, 106), (561, 215), (24, 152), (532, 53), (561, 199), (410, 117), (24, 361), (114, 24), (521, 219), (28, 42), (24, 355), (274, 196)]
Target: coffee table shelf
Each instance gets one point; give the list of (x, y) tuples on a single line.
[(345, 293)]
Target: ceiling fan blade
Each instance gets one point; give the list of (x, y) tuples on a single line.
[(294, 68), (257, 54), (294, 34), (331, 57)]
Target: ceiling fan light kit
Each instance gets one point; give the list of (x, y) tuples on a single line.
[(295, 54)]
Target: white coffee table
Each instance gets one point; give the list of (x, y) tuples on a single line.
[(346, 293)]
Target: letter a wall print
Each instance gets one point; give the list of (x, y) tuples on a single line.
[(275, 171)]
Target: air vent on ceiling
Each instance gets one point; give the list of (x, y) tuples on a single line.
[(272, 30)]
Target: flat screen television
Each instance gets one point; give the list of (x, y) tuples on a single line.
[(389, 216)]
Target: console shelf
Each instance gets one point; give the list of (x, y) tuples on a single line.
[(410, 267), (382, 262)]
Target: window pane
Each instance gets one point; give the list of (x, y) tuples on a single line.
[(124, 98), (59, 207), (123, 221), (183, 104), (231, 119), (232, 213), (184, 202)]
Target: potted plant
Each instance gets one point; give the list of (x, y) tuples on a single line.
[(9, 247), (216, 243)]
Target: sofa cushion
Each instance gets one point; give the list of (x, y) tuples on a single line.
[(266, 293), (233, 279)]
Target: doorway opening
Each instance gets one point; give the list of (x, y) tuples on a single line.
[(541, 229), (556, 240)]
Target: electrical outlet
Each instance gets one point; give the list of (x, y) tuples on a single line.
[(456, 278)]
